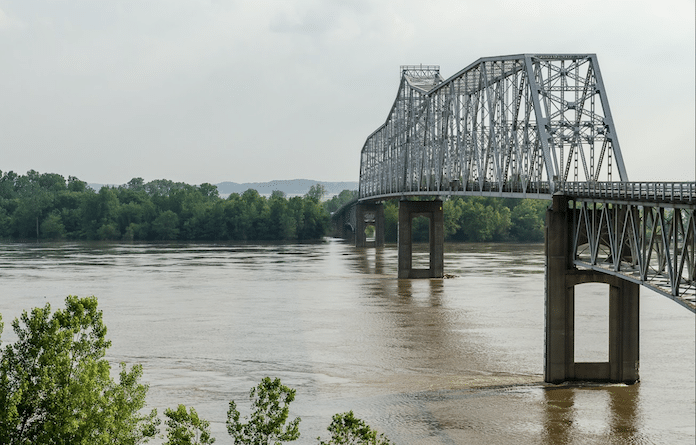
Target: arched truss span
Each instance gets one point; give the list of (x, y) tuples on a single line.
[(510, 126)]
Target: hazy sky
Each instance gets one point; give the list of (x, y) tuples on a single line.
[(248, 91)]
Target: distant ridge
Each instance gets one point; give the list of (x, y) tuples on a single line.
[(291, 187)]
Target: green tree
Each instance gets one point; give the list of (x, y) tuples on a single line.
[(52, 182), (346, 429), (55, 385), (267, 424), (157, 187), (234, 215), (528, 220), (98, 210), (166, 226), (7, 185), (316, 192), (126, 400), (254, 209), (75, 185), (346, 196), (5, 223), (315, 220), (52, 227), (70, 204), (391, 221), (186, 428), (108, 231), (136, 184), (214, 226), (25, 219), (452, 216), (208, 190), (482, 219), (281, 225), (420, 229)]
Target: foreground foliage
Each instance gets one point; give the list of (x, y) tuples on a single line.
[(186, 428), (55, 385), (267, 424), (55, 388), (345, 428)]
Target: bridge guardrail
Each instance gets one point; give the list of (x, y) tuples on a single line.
[(674, 192)]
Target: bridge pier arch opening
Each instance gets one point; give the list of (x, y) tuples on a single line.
[(369, 214), (408, 210), (561, 279)]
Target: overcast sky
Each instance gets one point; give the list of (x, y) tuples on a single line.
[(249, 91)]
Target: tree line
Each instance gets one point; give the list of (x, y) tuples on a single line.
[(47, 206), (478, 219)]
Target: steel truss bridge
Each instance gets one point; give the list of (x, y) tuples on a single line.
[(531, 126)]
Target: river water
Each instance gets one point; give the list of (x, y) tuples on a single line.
[(440, 361)]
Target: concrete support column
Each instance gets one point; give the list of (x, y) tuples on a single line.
[(561, 279), (560, 300), (369, 214), (379, 225), (624, 336), (433, 211)]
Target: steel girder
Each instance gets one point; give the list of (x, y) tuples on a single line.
[(346, 215), (512, 126), (650, 243)]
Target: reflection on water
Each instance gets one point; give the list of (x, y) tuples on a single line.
[(591, 413), (434, 361)]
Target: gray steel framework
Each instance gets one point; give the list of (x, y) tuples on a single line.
[(640, 231), (649, 243), (530, 126), (346, 215), (512, 125)]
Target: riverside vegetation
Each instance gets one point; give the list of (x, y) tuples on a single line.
[(56, 388), (47, 206)]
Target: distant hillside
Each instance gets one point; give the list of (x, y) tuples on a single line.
[(291, 187)]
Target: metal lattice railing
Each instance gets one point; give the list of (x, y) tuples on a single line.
[(651, 243), (665, 192)]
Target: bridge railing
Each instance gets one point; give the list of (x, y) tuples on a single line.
[(673, 192)]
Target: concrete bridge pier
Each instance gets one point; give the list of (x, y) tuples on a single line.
[(561, 279), (433, 211), (369, 214)]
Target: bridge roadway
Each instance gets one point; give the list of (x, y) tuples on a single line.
[(534, 126)]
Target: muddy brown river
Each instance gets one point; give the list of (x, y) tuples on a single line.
[(434, 361)]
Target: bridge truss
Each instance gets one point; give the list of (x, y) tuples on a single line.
[(513, 125), (641, 232), (532, 126)]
